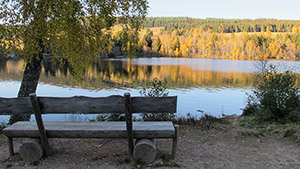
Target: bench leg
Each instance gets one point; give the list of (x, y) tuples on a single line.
[(10, 146), (175, 139)]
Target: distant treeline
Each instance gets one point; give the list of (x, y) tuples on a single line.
[(207, 44), (221, 25)]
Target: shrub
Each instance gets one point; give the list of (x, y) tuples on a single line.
[(158, 89), (275, 97)]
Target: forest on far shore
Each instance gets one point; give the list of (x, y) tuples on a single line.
[(242, 39)]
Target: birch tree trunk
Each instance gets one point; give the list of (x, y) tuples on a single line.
[(29, 84)]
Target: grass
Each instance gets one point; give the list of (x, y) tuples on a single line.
[(272, 129), (2, 138), (8, 162), (205, 122), (2, 125)]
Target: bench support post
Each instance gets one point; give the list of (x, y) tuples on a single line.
[(128, 115), (10, 146), (175, 139), (40, 124)]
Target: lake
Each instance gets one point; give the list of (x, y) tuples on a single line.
[(212, 86)]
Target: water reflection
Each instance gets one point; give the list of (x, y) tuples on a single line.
[(139, 72), (214, 86)]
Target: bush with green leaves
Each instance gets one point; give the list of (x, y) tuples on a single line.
[(275, 97), (157, 88)]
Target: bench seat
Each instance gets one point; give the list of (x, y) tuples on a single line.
[(155, 130)]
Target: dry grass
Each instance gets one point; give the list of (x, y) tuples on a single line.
[(205, 122), (2, 137), (272, 129)]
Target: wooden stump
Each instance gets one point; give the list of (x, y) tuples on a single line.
[(31, 150), (145, 150)]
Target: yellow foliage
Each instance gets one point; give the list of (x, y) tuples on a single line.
[(116, 33), (185, 52), (243, 54), (251, 45), (280, 51), (198, 44), (171, 53), (235, 51), (244, 45), (190, 43), (220, 43), (273, 47), (177, 52), (265, 56), (296, 28), (209, 44)]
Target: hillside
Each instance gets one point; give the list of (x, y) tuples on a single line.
[(241, 39)]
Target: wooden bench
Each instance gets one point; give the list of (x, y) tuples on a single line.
[(88, 105)]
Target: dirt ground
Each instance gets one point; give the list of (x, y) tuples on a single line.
[(228, 147)]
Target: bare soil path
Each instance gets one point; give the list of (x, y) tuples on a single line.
[(229, 147)]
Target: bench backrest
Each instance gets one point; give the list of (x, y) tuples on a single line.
[(88, 105)]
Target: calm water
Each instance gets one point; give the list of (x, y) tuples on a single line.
[(214, 86)]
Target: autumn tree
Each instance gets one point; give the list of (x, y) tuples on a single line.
[(157, 44), (148, 38), (175, 43), (72, 30)]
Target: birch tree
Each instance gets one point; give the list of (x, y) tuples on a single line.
[(74, 30)]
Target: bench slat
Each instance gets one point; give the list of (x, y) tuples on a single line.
[(82, 105), (154, 104), (88, 105), (163, 129), (21, 105)]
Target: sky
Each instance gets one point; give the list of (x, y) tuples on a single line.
[(250, 9)]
